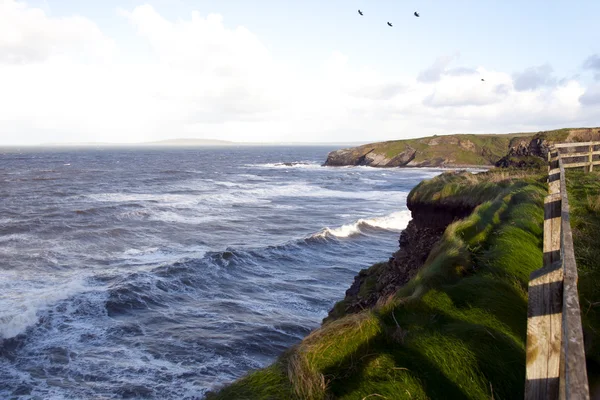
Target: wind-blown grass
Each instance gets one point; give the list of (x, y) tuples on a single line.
[(457, 330)]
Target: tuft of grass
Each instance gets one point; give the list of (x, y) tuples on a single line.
[(269, 384), (457, 330)]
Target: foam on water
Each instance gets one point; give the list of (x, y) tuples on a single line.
[(281, 165), (28, 299), (396, 221)]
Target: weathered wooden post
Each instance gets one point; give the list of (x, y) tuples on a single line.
[(591, 160)]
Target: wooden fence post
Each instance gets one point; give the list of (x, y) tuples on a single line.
[(591, 158)]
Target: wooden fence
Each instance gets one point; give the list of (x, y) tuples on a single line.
[(556, 366)]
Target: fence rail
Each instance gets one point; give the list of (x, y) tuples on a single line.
[(574, 150), (556, 366)]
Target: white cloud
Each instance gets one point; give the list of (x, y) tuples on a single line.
[(62, 79), (468, 90), (439, 67), (28, 35)]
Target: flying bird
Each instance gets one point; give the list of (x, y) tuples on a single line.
[(482, 80), (360, 12), (416, 14), (389, 24)]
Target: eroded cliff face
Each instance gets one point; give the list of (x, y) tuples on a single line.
[(382, 280)]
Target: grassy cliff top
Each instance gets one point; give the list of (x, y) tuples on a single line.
[(460, 149), (451, 150), (457, 330)]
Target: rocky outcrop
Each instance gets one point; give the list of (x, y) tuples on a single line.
[(525, 152), (368, 156), (382, 280), (531, 151)]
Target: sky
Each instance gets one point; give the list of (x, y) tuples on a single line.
[(128, 71)]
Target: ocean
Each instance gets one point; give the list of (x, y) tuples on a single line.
[(164, 273)]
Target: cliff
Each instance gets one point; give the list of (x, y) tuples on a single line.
[(514, 149), (533, 150), (436, 151), (382, 280), (444, 318)]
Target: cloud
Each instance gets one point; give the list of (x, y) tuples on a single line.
[(435, 71), (201, 78), (382, 91), (28, 35), (593, 63), (534, 77), (461, 71), (591, 96), (460, 91)]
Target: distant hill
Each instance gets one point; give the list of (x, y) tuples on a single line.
[(189, 142), (169, 142), (449, 150)]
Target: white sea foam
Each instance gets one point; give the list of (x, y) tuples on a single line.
[(156, 255), (170, 199), (396, 221), (27, 299), (15, 237), (284, 165), (170, 216)]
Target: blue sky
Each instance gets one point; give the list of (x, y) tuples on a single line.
[(532, 55)]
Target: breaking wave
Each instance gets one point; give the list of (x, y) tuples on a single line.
[(396, 221)]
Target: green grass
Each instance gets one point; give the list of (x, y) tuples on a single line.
[(584, 202), (457, 149), (469, 190), (461, 149), (455, 331)]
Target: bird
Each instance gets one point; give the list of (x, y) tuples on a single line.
[(416, 14), (360, 12), (389, 24), (482, 80)]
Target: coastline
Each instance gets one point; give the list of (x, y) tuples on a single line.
[(415, 322)]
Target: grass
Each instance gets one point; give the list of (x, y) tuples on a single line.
[(457, 149), (584, 201), (470, 149), (469, 190), (457, 330)]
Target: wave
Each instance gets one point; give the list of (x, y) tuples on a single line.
[(396, 221), (22, 311), (294, 164)]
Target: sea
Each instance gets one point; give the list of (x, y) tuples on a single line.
[(162, 273)]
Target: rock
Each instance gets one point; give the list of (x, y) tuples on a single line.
[(368, 157)]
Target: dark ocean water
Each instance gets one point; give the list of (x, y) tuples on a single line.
[(149, 273)]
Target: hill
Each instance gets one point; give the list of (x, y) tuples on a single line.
[(456, 150), (189, 142)]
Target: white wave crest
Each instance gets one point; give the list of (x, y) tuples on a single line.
[(396, 221), (284, 165), (27, 299)]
